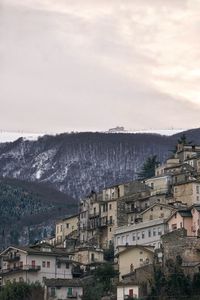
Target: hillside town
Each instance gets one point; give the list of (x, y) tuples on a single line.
[(139, 229)]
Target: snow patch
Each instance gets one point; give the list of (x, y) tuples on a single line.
[(6, 136)]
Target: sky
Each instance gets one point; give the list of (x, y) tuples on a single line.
[(79, 65)]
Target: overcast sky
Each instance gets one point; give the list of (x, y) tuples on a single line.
[(94, 64)]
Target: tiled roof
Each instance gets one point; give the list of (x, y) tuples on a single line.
[(185, 213), (75, 282)]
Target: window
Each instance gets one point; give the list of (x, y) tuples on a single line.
[(60, 228), (197, 198), (127, 239), (154, 232), (69, 291), (149, 233), (197, 189), (92, 257), (159, 231), (138, 236), (67, 265), (43, 264), (131, 293), (174, 226), (143, 234), (141, 259), (67, 225), (161, 208), (151, 217), (58, 265), (110, 206), (110, 229), (48, 264), (141, 252), (53, 292), (33, 263), (152, 185), (133, 237)]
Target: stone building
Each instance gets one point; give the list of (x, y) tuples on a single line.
[(187, 192), (178, 244), (65, 227)]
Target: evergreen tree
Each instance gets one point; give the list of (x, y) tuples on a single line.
[(148, 168)]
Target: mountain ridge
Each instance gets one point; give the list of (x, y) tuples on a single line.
[(76, 163)]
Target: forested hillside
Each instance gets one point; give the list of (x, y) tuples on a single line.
[(28, 210), (80, 162)]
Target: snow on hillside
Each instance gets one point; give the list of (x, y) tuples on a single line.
[(166, 132), (9, 136)]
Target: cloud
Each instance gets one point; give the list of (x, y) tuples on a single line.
[(93, 64)]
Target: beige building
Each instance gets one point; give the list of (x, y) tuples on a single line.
[(57, 289), (65, 227), (185, 152), (188, 192), (33, 264), (170, 163), (133, 257), (88, 256), (98, 216), (157, 211), (159, 184)]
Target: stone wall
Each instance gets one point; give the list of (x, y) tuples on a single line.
[(177, 243)]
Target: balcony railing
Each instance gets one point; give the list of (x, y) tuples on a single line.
[(30, 268), (93, 215), (72, 295), (11, 258)]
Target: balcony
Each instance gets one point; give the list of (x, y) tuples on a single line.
[(29, 268), (93, 215), (133, 210), (72, 295), (77, 271), (11, 257)]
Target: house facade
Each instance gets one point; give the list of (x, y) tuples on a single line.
[(133, 257), (56, 289), (143, 233), (34, 264), (65, 227)]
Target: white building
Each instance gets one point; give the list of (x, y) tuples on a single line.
[(143, 233), (56, 289), (34, 263), (127, 290)]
